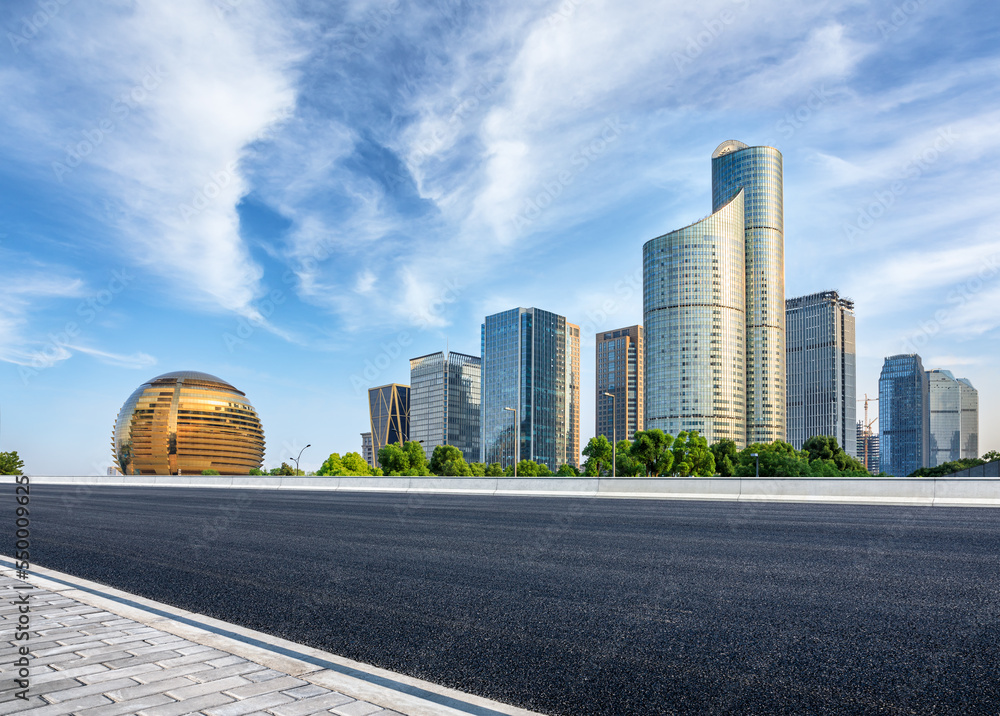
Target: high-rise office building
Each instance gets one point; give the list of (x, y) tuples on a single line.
[(757, 172), (714, 308), (389, 408), (820, 369), (530, 364), (367, 450), (445, 402), (903, 415), (954, 418), (619, 372), (867, 444)]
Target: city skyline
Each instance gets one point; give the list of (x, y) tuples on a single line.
[(258, 194)]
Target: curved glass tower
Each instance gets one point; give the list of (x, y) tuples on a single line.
[(757, 171), (694, 308)]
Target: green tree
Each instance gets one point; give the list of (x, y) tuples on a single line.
[(947, 468), (529, 468), (448, 461), (417, 459), (626, 464), (777, 459), (332, 466), (494, 470), (285, 470), (393, 459), (478, 469), (567, 470), (210, 472), (991, 456), (355, 465), (692, 456), (825, 448), (256, 471), (651, 448), (725, 452), (11, 463), (598, 453)]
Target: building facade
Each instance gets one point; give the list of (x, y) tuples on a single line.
[(694, 318), (389, 408), (714, 308), (619, 372), (445, 402), (903, 415), (367, 450), (820, 369), (867, 444), (758, 173), (953, 405), (530, 364)]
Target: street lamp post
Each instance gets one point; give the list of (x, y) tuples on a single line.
[(756, 460), (296, 459), (614, 436), (517, 440)]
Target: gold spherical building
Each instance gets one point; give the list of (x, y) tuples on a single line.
[(185, 422)]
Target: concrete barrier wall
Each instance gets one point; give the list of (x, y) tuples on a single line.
[(945, 492)]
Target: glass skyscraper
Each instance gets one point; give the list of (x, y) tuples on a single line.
[(714, 308), (820, 369), (389, 408), (531, 362), (903, 415), (445, 402), (694, 309), (954, 418), (619, 372), (757, 171)]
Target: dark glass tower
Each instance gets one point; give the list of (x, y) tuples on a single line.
[(758, 172), (389, 408), (903, 415), (445, 402)]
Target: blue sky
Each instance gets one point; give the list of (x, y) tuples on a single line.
[(298, 197)]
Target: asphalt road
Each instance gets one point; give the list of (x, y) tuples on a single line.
[(575, 606)]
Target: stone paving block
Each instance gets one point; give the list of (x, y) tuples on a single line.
[(129, 658), (164, 639), (257, 703), (71, 707), (178, 708), (307, 691), (127, 707), (264, 675), (280, 683), (191, 670), (192, 690), (57, 695), (358, 708), (82, 672), (313, 705), (227, 660), (192, 649), (192, 658), (153, 687), (99, 659), (151, 648), (110, 674)]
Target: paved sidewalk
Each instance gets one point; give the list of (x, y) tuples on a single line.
[(91, 661)]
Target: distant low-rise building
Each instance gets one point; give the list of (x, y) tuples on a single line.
[(820, 369), (367, 451), (389, 408), (867, 446), (903, 415), (954, 418), (619, 372), (445, 402)]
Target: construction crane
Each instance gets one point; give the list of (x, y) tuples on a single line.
[(866, 427)]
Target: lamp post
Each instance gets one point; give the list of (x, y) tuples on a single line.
[(296, 459), (756, 460), (517, 440), (614, 436)]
